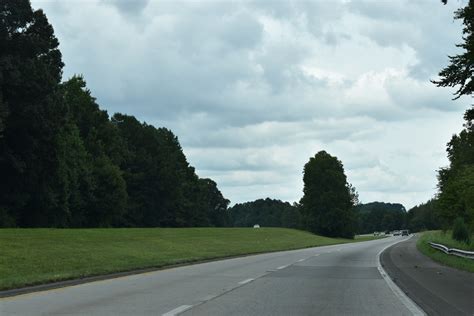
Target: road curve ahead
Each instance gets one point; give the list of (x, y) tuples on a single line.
[(330, 280)]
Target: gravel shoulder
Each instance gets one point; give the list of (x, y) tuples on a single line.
[(437, 289)]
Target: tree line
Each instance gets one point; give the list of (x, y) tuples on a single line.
[(380, 217), (366, 218), (453, 205), (65, 163), (266, 213), (454, 200)]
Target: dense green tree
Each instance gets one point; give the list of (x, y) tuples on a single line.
[(64, 162), (77, 165), (456, 196), (187, 198), (3, 116), (150, 204), (461, 231), (456, 182), (30, 70), (73, 180), (424, 217), (163, 188), (460, 71), (266, 213), (291, 217), (380, 216), (327, 201), (102, 144), (100, 134), (109, 195), (212, 204)]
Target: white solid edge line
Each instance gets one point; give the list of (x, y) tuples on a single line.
[(245, 281), (178, 310), (408, 302)]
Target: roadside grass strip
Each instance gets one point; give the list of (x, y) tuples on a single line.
[(39, 256), (439, 256)]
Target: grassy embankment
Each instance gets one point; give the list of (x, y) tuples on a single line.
[(441, 257), (35, 256)]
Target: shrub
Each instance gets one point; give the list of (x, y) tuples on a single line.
[(460, 231), (6, 220)]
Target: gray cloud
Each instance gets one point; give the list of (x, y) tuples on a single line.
[(128, 7), (423, 25)]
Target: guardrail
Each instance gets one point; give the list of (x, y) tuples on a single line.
[(453, 251)]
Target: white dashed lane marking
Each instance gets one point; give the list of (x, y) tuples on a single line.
[(245, 281), (178, 310)]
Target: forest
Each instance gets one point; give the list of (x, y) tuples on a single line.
[(64, 162)]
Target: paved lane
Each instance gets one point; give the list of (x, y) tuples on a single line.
[(344, 281), (340, 279)]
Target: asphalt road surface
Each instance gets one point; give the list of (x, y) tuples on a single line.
[(438, 289), (330, 280)]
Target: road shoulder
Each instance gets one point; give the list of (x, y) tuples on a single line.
[(437, 289)]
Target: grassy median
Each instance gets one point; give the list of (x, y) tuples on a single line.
[(441, 257), (35, 256)]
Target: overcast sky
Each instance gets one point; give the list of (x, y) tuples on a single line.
[(253, 89)]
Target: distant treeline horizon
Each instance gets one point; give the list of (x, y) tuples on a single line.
[(370, 217)]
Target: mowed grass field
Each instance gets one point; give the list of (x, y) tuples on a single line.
[(35, 256), (441, 257)]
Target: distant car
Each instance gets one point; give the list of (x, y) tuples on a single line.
[(256, 226), (396, 233), (405, 232)]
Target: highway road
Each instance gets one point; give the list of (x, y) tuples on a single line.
[(331, 280)]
